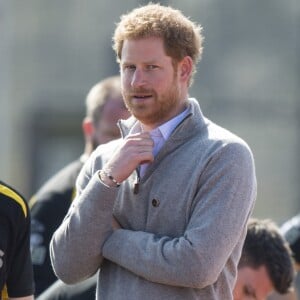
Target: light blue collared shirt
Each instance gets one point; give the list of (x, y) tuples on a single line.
[(159, 134), (163, 132)]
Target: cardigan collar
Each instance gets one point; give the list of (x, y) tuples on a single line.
[(193, 123)]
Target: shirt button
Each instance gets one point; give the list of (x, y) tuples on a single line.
[(155, 202)]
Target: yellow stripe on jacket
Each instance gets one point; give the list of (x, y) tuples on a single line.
[(13, 195)]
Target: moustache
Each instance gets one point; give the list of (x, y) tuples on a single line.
[(133, 92)]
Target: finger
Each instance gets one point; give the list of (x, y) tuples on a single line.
[(138, 142), (145, 158), (139, 136), (139, 155)]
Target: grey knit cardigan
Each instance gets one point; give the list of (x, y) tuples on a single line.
[(182, 230)]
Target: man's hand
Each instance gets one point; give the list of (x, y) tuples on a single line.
[(135, 150)]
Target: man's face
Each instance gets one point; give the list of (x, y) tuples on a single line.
[(252, 284), (150, 85), (106, 129)]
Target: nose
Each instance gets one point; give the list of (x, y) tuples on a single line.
[(138, 78)]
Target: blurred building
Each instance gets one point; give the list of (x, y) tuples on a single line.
[(52, 52)]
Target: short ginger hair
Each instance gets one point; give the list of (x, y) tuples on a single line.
[(181, 36)]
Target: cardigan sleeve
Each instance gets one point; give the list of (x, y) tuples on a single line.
[(213, 237), (75, 247)]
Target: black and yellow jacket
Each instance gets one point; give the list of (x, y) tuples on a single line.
[(16, 274), (48, 208)]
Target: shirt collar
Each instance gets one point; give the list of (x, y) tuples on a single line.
[(166, 128)]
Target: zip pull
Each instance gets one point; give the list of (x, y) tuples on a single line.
[(136, 186)]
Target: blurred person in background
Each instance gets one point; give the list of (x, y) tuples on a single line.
[(266, 263), (163, 211), (291, 231), (104, 107), (16, 274)]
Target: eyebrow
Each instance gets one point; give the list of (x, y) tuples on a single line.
[(153, 60)]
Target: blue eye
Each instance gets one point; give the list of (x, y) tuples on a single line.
[(151, 67)]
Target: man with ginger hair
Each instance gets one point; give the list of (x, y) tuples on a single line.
[(163, 211)]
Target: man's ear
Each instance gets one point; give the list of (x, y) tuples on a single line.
[(185, 68), (87, 127)]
